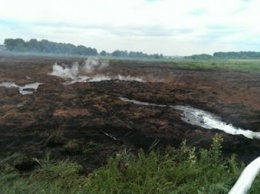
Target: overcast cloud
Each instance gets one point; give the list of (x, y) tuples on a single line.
[(171, 27)]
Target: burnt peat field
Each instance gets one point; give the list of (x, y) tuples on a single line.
[(109, 126)]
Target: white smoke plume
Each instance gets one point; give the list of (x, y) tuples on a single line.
[(88, 72), (65, 72), (94, 64)]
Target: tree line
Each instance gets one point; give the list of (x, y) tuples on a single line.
[(132, 54), (45, 46), (227, 55), (238, 55)]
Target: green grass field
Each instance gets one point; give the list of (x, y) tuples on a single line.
[(240, 65), (243, 65)]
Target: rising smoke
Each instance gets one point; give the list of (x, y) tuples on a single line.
[(88, 72), (94, 64)]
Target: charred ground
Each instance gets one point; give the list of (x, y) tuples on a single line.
[(87, 122)]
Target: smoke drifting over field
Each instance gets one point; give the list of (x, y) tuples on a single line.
[(94, 64), (88, 72)]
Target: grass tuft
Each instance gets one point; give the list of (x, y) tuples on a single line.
[(173, 170)]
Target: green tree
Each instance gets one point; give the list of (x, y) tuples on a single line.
[(15, 44), (103, 53)]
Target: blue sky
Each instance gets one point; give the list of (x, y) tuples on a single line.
[(171, 27)]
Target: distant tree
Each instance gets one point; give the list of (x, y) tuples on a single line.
[(32, 45), (237, 55), (118, 53), (70, 49), (80, 50), (20, 45), (10, 44), (46, 46), (137, 54), (156, 56), (199, 57), (103, 53), (15, 44), (133, 54), (92, 51), (228, 55)]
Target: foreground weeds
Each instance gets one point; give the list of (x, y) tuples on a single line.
[(182, 170)]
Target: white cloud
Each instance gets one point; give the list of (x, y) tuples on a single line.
[(153, 26)]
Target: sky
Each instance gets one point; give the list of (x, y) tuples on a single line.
[(170, 27)]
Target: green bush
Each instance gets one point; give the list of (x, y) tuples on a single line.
[(181, 170)]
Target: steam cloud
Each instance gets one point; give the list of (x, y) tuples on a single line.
[(88, 72), (94, 64)]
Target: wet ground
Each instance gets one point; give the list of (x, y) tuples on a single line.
[(88, 121)]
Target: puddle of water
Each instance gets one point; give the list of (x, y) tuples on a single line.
[(202, 119), (8, 85), (29, 88), (25, 89)]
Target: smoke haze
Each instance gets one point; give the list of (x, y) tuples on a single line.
[(88, 72)]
